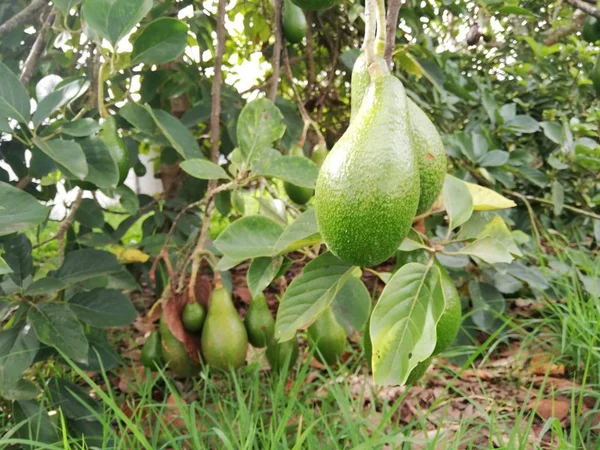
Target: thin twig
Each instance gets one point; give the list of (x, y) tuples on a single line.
[(391, 24), (22, 17), (36, 50), (276, 49), (24, 182), (574, 209), (310, 59), (585, 7), (64, 226)]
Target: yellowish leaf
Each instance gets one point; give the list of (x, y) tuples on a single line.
[(128, 255), (485, 199)]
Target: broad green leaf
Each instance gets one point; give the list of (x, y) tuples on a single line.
[(522, 124), (114, 19), (498, 230), (485, 199), (101, 354), (37, 426), (260, 124), (516, 10), (302, 232), (66, 153), (81, 128), (590, 284), (102, 168), (45, 286), (531, 275), (65, 92), (84, 264), (74, 401), (160, 42), (553, 131), (249, 237), (103, 308), (139, 117), (66, 5), (90, 214), (488, 304), (18, 256), (558, 197), (534, 176), (178, 135), (495, 158), (488, 249), (407, 310), (22, 390), (4, 268), (310, 293), (297, 170), (261, 273), (18, 347), (204, 169), (226, 263), (352, 305), (19, 210), (57, 326), (14, 101), (128, 199), (457, 201)]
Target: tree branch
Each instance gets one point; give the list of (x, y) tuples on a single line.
[(391, 25), (64, 226), (276, 50), (558, 34), (22, 17), (585, 7), (36, 50)]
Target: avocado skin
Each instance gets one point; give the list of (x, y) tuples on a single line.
[(193, 317), (174, 353), (328, 336), (298, 194), (293, 22), (591, 29), (360, 82), (278, 352), (367, 191), (151, 350), (259, 322), (224, 337), (315, 5), (431, 155)]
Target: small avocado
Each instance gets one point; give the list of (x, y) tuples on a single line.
[(328, 337), (174, 353), (315, 5), (293, 22), (259, 322), (318, 156), (591, 29), (224, 337), (298, 194), (151, 352), (193, 317), (282, 355)]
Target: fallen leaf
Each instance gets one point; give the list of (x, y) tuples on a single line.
[(551, 407), (541, 364)]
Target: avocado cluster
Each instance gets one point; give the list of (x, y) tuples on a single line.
[(388, 167)]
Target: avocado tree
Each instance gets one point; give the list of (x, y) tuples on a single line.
[(490, 92)]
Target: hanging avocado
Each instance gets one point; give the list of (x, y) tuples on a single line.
[(259, 322), (591, 29), (293, 22), (298, 194), (282, 355), (174, 353), (328, 336), (315, 5)]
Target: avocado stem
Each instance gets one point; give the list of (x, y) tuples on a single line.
[(369, 40), (381, 37)]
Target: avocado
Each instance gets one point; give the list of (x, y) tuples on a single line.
[(259, 322), (318, 156), (328, 337), (595, 75), (193, 317), (298, 194), (591, 29), (151, 357), (282, 355), (315, 5), (174, 353), (224, 337), (293, 22), (360, 82), (367, 190), (110, 135)]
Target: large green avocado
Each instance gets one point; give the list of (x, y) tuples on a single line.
[(298, 194), (224, 337), (591, 29), (174, 353), (315, 5), (367, 191), (431, 154), (293, 22), (328, 336), (259, 322)]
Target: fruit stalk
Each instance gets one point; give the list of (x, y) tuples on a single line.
[(373, 66), (381, 37)]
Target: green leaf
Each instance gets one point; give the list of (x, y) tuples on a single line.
[(18, 347), (81, 128), (23, 390), (128, 199), (522, 124), (590, 284), (260, 124), (74, 402), (352, 305), (297, 170), (66, 153), (310, 294), (249, 237), (558, 197), (457, 201), (177, 134), (261, 273), (534, 176), (114, 19), (57, 326), (66, 5), (14, 101), (204, 169), (103, 308), (45, 286), (488, 249), (139, 117), (302, 232), (17, 254), (84, 264), (160, 42), (488, 304), (515, 10), (90, 214), (497, 229), (495, 158), (19, 210), (403, 322), (64, 93), (102, 168), (4, 268), (101, 355), (553, 131), (36, 425)]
